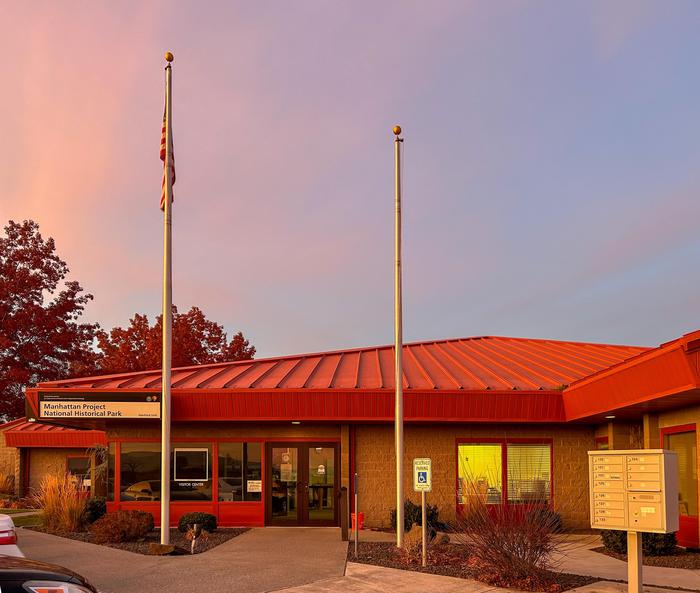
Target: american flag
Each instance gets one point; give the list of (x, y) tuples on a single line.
[(163, 140)]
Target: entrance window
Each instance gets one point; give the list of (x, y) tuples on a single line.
[(321, 482), (684, 444), (480, 473), (140, 472), (190, 472), (494, 473), (528, 472), (602, 444), (240, 477), (78, 468)]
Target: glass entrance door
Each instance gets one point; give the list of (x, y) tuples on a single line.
[(303, 485), (284, 489), (320, 497), (683, 440)]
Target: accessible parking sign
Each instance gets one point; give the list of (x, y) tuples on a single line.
[(422, 475)]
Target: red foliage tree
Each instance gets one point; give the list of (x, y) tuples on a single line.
[(40, 336), (196, 340)]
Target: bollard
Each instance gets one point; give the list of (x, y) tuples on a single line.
[(357, 517), (344, 514)]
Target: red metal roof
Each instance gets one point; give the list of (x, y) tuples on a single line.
[(474, 364), (20, 433)]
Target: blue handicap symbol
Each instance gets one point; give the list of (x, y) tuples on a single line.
[(422, 477)]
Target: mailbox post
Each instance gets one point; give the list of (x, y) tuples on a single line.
[(634, 491)]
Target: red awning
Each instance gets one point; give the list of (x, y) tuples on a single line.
[(664, 378), (38, 434)]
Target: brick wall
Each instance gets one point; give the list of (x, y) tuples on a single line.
[(376, 469), (9, 461), (47, 461)]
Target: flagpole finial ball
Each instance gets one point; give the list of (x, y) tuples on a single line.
[(397, 130), (169, 56)]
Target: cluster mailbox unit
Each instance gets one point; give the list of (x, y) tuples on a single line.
[(634, 491)]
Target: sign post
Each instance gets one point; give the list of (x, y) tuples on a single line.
[(423, 482), (634, 491), (357, 517)]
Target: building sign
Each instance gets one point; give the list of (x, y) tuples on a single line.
[(254, 485), (422, 475), (634, 490), (76, 406)]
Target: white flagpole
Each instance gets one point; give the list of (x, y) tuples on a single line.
[(398, 345), (167, 314)]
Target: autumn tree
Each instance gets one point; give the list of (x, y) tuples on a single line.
[(196, 340), (41, 338)]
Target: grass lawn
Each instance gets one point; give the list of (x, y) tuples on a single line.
[(29, 521)]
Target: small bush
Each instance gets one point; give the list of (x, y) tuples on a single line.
[(207, 521), (412, 515), (122, 526), (659, 544), (545, 515), (614, 541), (653, 544), (62, 503), (508, 545), (95, 508)]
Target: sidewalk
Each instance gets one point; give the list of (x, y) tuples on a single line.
[(363, 578), (577, 557), (259, 560), (305, 560)]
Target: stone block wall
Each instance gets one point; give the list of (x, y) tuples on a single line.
[(376, 469), (9, 462), (48, 461)]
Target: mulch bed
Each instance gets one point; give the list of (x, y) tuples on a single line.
[(681, 558), (450, 560), (182, 545)]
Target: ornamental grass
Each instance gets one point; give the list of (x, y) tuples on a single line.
[(63, 503)]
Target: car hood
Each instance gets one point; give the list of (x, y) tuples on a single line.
[(12, 568)]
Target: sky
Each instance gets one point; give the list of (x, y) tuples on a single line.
[(551, 170)]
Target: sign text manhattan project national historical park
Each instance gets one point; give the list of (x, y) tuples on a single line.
[(99, 405)]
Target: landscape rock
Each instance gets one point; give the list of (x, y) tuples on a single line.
[(160, 549)]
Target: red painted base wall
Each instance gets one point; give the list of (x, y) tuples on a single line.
[(228, 514)]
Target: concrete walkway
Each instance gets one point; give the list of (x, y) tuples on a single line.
[(576, 556), (305, 560), (362, 578), (257, 561)]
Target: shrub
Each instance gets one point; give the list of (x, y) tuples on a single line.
[(614, 541), (207, 521), (62, 503), (545, 515), (653, 544), (95, 508), (122, 526), (412, 515), (508, 545), (659, 544)]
